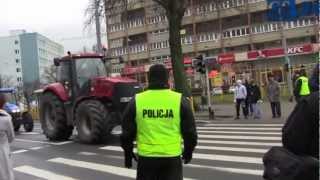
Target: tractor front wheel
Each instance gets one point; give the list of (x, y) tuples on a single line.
[(27, 122), (92, 120), (53, 118)]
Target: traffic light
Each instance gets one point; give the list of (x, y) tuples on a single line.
[(199, 64)]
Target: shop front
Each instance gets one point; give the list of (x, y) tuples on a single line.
[(257, 65)]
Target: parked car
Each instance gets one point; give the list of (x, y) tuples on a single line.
[(232, 89), (217, 91)]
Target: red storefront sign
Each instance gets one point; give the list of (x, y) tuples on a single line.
[(133, 70), (278, 52), (226, 58)]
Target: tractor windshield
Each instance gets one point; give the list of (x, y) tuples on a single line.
[(89, 68)]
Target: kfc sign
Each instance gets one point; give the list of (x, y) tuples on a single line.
[(295, 50), (300, 49)]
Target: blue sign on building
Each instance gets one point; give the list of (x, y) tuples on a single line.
[(286, 10)]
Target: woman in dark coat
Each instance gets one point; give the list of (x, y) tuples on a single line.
[(300, 134)]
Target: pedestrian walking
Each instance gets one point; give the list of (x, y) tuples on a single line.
[(240, 95), (255, 98), (273, 92), (302, 87), (249, 106), (6, 137), (159, 119)]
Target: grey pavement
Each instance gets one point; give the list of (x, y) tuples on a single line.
[(227, 150), (227, 112)]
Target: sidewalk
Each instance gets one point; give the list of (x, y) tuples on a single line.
[(228, 112)]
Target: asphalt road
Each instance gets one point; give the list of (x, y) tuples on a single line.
[(228, 150)]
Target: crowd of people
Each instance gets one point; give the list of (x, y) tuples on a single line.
[(247, 95)]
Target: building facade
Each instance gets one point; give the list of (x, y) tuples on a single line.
[(27, 56), (236, 32)]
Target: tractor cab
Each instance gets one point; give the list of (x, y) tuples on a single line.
[(84, 97), (76, 71), (20, 115)]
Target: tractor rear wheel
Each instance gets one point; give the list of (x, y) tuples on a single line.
[(92, 120), (27, 122), (53, 118)]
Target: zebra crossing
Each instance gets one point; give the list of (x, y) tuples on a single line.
[(224, 151)]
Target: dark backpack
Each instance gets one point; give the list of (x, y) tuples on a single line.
[(281, 164)]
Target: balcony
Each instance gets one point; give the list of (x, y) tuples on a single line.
[(232, 37)]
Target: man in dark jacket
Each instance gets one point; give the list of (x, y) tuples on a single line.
[(300, 134), (158, 119), (314, 80), (255, 96)]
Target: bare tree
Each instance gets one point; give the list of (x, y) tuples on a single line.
[(28, 89), (6, 81), (50, 74)]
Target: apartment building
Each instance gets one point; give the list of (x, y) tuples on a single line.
[(25, 56), (237, 33)]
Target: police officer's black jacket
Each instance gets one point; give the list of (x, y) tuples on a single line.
[(188, 127)]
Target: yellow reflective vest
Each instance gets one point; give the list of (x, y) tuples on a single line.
[(158, 123), (304, 90)]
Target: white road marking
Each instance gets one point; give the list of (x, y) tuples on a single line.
[(119, 171), (19, 151), (251, 150), (87, 153), (37, 148), (239, 143), (44, 142), (240, 132), (229, 170), (245, 125), (240, 137), (239, 128), (215, 157), (40, 173), (29, 133)]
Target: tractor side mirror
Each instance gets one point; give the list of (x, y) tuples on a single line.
[(56, 61)]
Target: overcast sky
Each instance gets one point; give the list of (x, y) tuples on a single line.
[(60, 20)]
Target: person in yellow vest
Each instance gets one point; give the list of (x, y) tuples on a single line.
[(160, 121), (302, 87)]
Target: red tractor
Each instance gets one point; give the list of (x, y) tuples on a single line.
[(85, 98)]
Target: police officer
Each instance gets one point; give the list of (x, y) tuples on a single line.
[(159, 119), (302, 88)]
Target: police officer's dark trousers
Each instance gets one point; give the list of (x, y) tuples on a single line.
[(152, 168)]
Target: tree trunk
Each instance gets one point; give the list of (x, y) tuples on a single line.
[(179, 75)]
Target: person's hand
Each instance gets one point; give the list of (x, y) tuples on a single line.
[(128, 159), (186, 156), (234, 101)]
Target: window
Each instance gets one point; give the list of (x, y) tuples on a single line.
[(16, 51), (16, 42), (19, 79), (18, 70), (17, 60)]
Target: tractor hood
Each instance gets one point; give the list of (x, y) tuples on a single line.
[(11, 108), (107, 86)]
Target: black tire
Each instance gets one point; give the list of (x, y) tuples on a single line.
[(92, 120), (16, 126), (27, 122), (53, 118)]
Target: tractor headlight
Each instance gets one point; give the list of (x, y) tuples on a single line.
[(16, 110)]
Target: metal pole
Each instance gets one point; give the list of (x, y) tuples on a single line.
[(287, 59), (210, 110)]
